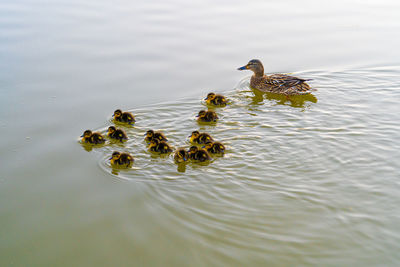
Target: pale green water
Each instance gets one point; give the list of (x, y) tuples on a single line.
[(313, 182)]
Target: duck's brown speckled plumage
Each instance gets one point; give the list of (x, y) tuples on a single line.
[(275, 83)]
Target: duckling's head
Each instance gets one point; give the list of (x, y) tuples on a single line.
[(154, 142), (117, 113), (195, 134), (111, 129), (208, 145), (87, 134), (149, 133), (193, 149), (254, 65), (181, 155), (202, 113), (210, 96), (115, 155)]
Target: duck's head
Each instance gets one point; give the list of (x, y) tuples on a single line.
[(115, 155), (111, 129), (87, 134), (210, 96), (149, 133), (117, 113), (202, 113), (254, 65)]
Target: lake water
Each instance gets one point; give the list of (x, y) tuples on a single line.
[(311, 180)]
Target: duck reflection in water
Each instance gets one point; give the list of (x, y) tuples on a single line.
[(296, 101)]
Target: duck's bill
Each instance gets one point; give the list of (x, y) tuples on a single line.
[(82, 135), (243, 68), (110, 158)]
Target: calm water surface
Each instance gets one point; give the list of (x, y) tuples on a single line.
[(311, 180)]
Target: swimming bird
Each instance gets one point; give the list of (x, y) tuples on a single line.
[(117, 134), (214, 147), (197, 154), (160, 146), (150, 135), (125, 117), (92, 138), (200, 138), (275, 83), (207, 116), (181, 155), (121, 159), (216, 100)]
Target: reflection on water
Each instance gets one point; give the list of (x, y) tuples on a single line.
[(296, 101)]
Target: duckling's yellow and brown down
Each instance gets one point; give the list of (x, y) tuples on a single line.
[(150, 135), (125, 117), (214, 147), (95, 138), (207, 116), (181, 155), (197, 154), (213, 99), (121, 159), (161, 147), (117, 134), (200, 138)]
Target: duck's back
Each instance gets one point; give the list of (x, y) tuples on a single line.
[(281, 84)]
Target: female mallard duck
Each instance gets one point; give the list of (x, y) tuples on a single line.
[(207, 116), (92, 138), (181, 155), (150, 135), (197, 154), (213, 99), (200, 138), (160, 146), (117, 134), (275, 83), (125, 117), (214, 147), (121, 159)]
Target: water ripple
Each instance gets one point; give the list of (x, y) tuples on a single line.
[(287, 160)]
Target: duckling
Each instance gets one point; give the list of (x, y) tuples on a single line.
[(160, 146), (181, 155), (275, 83), (121, 159), (197, 154), (126, 117), (216, 100), (117, 134), (92, 138), (200, 138), (207, 116), (150, 135), (214, 147)]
